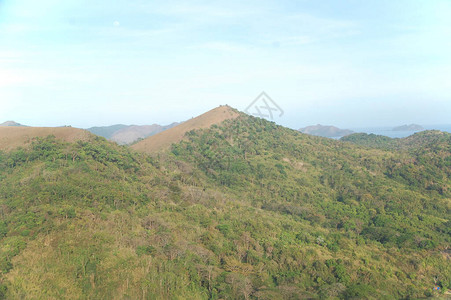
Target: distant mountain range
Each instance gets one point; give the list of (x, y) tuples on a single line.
[(119, 133), (411, 127), (106, 131), (128, 134), (325, 131), (10, 123)]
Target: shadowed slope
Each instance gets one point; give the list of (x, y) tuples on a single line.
[(14, 137), (166, 138)]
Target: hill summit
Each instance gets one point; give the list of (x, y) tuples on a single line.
[(12, 137), (165, 139)]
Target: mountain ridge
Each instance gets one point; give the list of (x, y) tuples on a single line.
[(106, 131)]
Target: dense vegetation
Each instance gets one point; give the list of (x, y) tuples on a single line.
[(245, 210), (372, 140), (426, 140)]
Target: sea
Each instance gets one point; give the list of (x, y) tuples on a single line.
[(388, 131)]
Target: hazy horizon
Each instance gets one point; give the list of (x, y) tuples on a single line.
[(438, 126), (348, 64)]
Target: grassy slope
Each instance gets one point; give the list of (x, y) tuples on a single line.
[(14, 137), (163, 140), (242, 210)]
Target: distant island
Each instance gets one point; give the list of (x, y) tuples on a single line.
[(326, 131), (10, 123), (411, 127)]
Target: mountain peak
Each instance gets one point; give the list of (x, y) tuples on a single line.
[(173, 135)]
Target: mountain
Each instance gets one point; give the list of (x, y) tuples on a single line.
[(164, 139), (240, 209), (10, 123), (411, 127), (128, 134), (16, 136), (134, 133), (106, 131), (325, 131)]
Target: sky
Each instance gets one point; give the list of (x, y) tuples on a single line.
[(348, 63)]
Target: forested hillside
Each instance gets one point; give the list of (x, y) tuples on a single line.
[(426, 140), (243, 210)]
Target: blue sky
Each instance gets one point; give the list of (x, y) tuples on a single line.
[(348, 63)]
